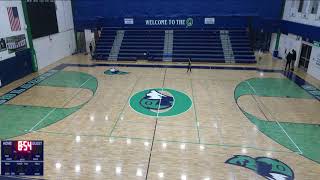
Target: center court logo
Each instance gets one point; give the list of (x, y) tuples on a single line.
[(160, 102)]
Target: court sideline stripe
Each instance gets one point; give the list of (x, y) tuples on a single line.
[(273, 118), (68, 100), (124, 106), (195, 110), (155, 127)]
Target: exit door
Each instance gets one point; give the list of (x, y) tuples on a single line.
[(305, 57)]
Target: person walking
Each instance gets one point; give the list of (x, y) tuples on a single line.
[(288, 63), (189, 65), (293, 59)]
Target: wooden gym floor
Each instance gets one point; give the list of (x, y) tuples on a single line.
[(242, 123)]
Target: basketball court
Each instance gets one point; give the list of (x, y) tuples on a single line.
[(218, 122)]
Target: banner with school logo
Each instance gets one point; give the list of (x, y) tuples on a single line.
[(16, 43), (188, 22)]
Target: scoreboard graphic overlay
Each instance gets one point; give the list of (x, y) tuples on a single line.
[(22, 158)]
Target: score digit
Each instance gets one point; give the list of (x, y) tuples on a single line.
[(28, 146), (24, 146), (20, 145)]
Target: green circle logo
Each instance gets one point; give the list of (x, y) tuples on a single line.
[(160, 102), (189, 22)]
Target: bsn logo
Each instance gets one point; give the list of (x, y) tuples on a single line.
[(160, 102), (156, 101), (269, 168)]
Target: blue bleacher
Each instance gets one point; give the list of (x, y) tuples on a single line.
[(136, 43), (199, 45)]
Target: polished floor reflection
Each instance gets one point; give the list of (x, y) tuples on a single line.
[(242, 123)]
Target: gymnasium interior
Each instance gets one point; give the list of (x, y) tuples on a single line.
[(160, 89)]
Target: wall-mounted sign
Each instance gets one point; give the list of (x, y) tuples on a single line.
[(209, 20), (169, 22), (16, 43), (128, 21)]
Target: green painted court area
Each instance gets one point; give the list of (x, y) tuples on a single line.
[(299, 137), (17, 120)]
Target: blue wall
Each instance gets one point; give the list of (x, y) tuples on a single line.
[(16, 67), (86, 12), (306, 31)]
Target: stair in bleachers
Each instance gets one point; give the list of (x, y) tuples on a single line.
[(104, 44), (226, 46), (113, 56), (168, 46)]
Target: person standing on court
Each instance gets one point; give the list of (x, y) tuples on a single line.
[(288, 63), (293, 59), (189, 65)]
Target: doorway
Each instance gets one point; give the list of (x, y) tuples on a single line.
[(305, 57)]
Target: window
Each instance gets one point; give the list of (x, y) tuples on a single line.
[(301, 3), (314, 6), (293, 3)]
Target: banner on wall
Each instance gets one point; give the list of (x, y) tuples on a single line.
[(16, 43), (3, 44), (169, 22), (14, 18)]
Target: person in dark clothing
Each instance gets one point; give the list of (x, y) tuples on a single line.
[(91, 49), (189, 65), (3, 44), (147, 55), (293, 59), (288, 63)]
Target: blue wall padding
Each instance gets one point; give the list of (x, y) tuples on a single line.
[(306, 31), (16, 67), (198, 22), (86, 12)]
